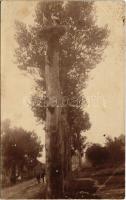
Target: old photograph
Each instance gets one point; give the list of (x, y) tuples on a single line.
[(62, 99)]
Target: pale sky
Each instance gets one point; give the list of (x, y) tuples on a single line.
[(105, 90)]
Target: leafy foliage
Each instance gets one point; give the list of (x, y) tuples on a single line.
[(21, 146), (112, 153), (97, 154), (116, 148), (81, 49)]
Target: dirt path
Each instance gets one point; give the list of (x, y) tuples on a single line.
[(32, 190), (26, 190)]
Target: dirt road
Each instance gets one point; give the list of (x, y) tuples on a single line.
[(26, 190), (32, 190)]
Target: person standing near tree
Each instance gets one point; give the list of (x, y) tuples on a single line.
[(39, 172)]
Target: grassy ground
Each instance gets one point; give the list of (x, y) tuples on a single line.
[(111, 182)]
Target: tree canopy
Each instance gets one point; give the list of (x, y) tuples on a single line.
[(81, 48), (116, 149), (97, 154), (18, 145), (113, 152)]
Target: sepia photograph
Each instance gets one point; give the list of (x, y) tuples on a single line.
[(62, 99)]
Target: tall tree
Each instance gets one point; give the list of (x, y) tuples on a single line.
[(81, 49), (19, 148)]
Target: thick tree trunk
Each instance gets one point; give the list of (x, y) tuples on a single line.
[(79, 152), (67, 147), (69, 156), (54, 151)]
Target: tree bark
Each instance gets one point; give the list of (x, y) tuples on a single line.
[(54, 151), (67, 146)]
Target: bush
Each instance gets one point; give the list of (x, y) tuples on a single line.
[(97, 154)]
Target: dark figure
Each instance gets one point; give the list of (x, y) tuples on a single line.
[(43, 174), (38, 177), (39, 172)]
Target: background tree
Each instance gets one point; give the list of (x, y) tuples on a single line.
[(81, 49), (116, 149), (19, 148), (112, 153), (97, 154)]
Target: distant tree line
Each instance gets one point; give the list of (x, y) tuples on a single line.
[(113, 152)]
